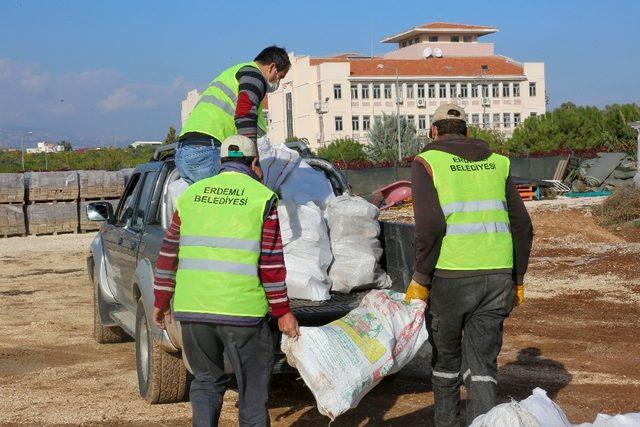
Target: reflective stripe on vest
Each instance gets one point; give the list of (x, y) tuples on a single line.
[(214, 114), (472, 196), (221, 229)]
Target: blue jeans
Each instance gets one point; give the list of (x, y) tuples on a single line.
[(196, 162)]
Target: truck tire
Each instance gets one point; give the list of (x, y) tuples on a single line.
[(104, 334), (162, 377)]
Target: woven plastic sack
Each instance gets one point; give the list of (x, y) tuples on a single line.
[(354, 229), (536, 410), (342, 361), (307, 251), (276, 161)]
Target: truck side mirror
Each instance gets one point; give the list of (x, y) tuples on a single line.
[(100, 211)]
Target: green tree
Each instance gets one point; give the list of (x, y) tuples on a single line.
[(384, 139), (345, 149), (171, 136), (493, 137), (577, 128)]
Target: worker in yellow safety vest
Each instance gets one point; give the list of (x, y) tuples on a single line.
[(473, 240), (221, 263), (230, 105)]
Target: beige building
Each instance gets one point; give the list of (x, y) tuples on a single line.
[(323, 99)]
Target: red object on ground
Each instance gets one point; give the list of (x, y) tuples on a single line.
[(392, 194)]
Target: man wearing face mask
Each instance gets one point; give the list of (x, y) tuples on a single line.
[(231, 105)]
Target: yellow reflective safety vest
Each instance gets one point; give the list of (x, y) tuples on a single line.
[(220, 233), (214, 114), (472, 195)]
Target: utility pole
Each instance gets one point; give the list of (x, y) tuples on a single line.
[(483, 73)]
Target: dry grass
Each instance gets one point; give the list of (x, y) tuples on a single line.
[(623, 206)]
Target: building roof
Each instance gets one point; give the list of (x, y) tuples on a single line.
[(440, 27), (468, 66)]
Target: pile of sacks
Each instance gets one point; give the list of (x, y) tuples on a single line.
[(538, 410), (605, 172), (329, 242)]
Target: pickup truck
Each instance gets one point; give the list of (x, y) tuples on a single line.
[(121, 270)]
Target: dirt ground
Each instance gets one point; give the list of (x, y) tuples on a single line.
[(575, 336)]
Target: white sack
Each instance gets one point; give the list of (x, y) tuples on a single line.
[(510, 414), (536, 410), (276, 161), (626, 420), (354, 229), (545, 410), (342, 361), (307, 251)]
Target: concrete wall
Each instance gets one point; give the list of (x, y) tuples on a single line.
[(414, 51)]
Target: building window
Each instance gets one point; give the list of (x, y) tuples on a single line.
[(420, 90), (410, 90), (411, 120), (338, 122), (433, 39), (376, 91), (516, 90), (337, 91), (532, 89), (466, 39), (506, 118), (387, 91), (366, 122), (496, 120), (422, 122), (485, 91), (505, 90), (354, 91), (416, 40), (464, 91), (443, 90), (453, 90), (403, 44), (485, 120), (533, 114), (475, 119), (474, 90), (365, 91), (289, 112), (355, 123), (455, 39), (495, 90), (516, 119), (377, 120)]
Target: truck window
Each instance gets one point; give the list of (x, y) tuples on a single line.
[(125, 209), (143, 200)]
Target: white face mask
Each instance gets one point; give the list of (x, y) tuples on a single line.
[(272, 87)]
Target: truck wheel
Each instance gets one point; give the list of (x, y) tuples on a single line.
[(104, 334), (162, 377)]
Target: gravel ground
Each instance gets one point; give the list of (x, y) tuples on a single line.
[(575, 336)]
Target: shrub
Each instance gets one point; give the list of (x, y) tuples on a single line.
[(345, 149), (622, 206)]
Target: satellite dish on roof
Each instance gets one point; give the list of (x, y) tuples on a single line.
[(426, 52), (437, 52)]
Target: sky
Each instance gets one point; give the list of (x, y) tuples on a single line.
[(103, 72)]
